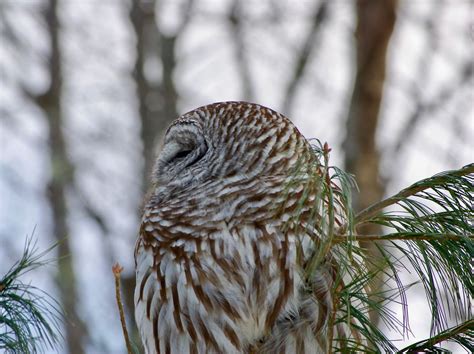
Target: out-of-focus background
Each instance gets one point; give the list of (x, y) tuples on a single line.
[(88, 86)]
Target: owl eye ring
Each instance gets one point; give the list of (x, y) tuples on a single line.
[(181, 154), (189, 155)]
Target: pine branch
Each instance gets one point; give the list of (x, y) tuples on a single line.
[(428, 229), (462, 334), (408, 236), (433, 229), (30, 319), (415, 188)]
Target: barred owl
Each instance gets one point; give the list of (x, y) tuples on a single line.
[(220, 258)]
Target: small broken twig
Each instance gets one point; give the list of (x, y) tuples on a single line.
[(117, 269)]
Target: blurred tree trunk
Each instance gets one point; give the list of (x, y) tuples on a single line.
[(61, 176), (376, 21), (157, 99)]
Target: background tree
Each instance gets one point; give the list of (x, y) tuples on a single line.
[(375, 24), (62, 175)]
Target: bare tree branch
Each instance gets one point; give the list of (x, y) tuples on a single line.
[(319, 17), (237, 32), (422, 70), (425, 110)]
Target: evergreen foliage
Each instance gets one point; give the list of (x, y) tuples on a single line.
[(428, 231), (29, 317)]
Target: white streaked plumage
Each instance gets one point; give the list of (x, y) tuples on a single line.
[(217, 261)]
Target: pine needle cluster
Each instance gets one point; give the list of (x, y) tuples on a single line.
[(30, 318), (428, 230)]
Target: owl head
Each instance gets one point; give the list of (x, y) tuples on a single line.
[(226, 140)]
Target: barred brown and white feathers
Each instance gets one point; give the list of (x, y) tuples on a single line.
[(218, 260)]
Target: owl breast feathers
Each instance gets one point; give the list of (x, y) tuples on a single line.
[(225, 235)]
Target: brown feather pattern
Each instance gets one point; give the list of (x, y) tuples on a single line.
[(217, 264)]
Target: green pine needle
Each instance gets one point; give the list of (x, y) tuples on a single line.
[(429, 228), (29, 318), (433, 228), (462, 335)]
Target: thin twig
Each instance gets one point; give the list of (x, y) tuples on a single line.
[(117, 269), (330, 196)]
